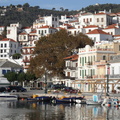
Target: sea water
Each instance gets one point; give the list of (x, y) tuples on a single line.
[(24, 110)]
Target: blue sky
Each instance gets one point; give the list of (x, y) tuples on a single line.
[(66, 4)]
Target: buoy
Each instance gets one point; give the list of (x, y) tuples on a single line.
[(22, 99), (109, 104)]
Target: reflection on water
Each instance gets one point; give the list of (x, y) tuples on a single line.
[(23, 110)]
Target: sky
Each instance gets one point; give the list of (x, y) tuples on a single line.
[(66, 4)]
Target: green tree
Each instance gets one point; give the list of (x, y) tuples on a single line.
[(11, 76), (21, 77), (30, 76), (16, 56), (51, 50)]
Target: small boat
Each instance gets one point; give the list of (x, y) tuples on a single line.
[(40, 99), (95, 101), (91, 102), (109, 102), (8, 96), (64, 100)]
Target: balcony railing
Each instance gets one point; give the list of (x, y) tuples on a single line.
[(71, 68), (114, 76)]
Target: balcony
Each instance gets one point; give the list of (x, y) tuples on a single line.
[(115, 76), (71, 68), (71, 78)]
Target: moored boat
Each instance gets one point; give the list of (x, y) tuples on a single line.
[(40, 98), (95, 101), (8, 96)]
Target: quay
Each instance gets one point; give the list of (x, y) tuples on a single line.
[(30, 93)]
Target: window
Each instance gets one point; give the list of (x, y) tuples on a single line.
[(104, 57), (5, 45), (1, 45), (97, 19), (24, 37), (3, 71), (1, 51), (8, 32), (102, 20), (90, 19)]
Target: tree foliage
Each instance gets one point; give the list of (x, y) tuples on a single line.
[(16, 56), (50, 51), (11, 76)]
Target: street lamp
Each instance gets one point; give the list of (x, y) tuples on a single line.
[(108, 72), (45, 82)]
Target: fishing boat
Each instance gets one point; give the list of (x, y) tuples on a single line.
[(8, 96)]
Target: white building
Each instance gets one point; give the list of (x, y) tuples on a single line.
[(46, 20), (98, 35), (12, 31), (8, 47)]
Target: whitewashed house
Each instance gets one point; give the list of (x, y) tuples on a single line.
[(98, 35), (8, 47)]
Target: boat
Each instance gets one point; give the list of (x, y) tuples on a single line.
[(109, 102), (95, 101), (8, 96), (64, 99), (40, 98)]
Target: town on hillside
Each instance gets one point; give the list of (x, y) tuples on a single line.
[(90, 69)]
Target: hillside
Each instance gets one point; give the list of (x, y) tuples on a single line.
[(26, 14), (100, 7)]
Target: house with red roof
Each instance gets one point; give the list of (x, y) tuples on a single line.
[(113, 29), (98, 35), (71, 72)]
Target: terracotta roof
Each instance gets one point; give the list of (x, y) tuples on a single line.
[(46, 27), (116, 35), (111, 26), (27, 47), (90, 26), (8, 39), (72, 57), (34, 31), (101, 13), (23, 33), (71, 28), (97, 31)]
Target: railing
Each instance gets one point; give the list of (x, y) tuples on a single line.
[(114, 76), (71, 78), (71, 68)]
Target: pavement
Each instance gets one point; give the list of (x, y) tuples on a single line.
[(30, 93)]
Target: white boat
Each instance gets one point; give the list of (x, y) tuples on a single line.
[(8, 96), (91, 102), (95, 101)]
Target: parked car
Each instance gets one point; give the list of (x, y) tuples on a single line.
[(15, 88), (2, 89), (21, 89)]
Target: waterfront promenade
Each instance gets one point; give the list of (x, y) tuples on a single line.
[(30, 93)]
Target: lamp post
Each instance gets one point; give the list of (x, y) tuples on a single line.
[(45, 82), (108, 72)]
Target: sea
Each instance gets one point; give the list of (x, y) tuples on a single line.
[(25, 110)]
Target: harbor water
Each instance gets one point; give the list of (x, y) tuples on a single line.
[(24, 110)]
